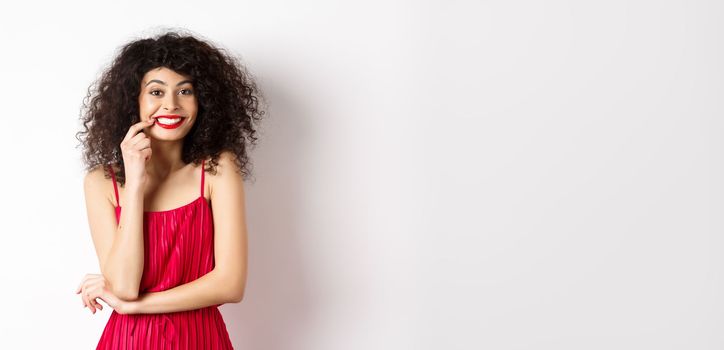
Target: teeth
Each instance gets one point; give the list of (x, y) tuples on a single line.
[(168, 120)]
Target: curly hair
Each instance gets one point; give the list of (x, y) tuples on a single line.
[(228, 102)]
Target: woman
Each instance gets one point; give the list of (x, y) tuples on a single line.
[(166, 134)]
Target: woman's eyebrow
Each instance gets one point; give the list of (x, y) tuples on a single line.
[(161, 82)]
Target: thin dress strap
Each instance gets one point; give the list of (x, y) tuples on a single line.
[(115, 187), (202, 176)]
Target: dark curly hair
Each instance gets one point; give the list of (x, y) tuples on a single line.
[(228, 102)]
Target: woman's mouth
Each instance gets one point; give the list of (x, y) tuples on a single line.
[(169, 121)]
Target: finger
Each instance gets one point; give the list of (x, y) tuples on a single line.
[(80, 288), (96, 292), (96, 306), (137, 138), (85, 278), (88, 301), (88, 281), (141, 144), (135, 128), (84, 296), (95, 303)]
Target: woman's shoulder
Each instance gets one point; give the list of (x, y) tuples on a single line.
[(97, 181), (97, 173), (227, 158), (225, 167), (101, 172), (225, 162)]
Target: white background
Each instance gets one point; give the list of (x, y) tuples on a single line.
[(431, 175)]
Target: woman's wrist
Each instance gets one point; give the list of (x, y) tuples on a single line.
[(131, 307)]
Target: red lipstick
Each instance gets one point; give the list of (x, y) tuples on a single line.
[(171, 121)]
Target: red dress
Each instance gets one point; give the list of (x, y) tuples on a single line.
[(178, 248)]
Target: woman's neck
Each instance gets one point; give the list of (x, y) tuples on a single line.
[(165, 158)]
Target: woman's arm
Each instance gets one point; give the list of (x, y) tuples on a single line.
[(227, 281), (119, 246), (208, 290)]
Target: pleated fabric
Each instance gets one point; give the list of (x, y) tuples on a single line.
[(178, 248)]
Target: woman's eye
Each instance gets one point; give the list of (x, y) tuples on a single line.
[(154, 92), (186, 92)]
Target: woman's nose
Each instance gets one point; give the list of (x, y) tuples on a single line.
[(170, 104)]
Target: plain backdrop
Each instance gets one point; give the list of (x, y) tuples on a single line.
[(431, 174)]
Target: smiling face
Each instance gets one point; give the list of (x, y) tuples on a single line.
[(168, 98)]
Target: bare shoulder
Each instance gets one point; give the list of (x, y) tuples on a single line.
[(227, 157), (95, 183), (226, 171), (94, 177), (226, 164)]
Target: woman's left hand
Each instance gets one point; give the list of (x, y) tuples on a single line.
[(95, 286)]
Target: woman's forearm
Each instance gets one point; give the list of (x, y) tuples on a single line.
[(123, 267), (210, 289)]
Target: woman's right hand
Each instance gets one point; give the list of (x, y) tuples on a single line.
[(136, 151), (95, 286)]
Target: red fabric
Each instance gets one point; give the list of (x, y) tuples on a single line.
[(179, 248)]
